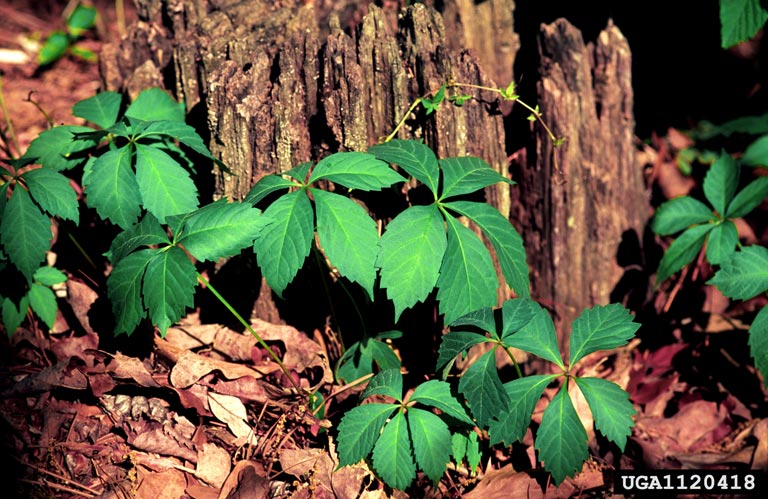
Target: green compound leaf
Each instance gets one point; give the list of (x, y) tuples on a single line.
[(413, 157), (388, 382), (358, 359), (435, 393), (169, 287), (682, 251), (392, 457), (165, 187), (505, 239), (467, 278), (3, 200), (221, 230), (740, 20), (538, 337), (12, 315), (283, 245), (54, 48), (78, 50), (53, 193), (602, 327), (101, 109), (124, 289), (48, 276), (511, 423), (758, 343), (610, 407), (383, 354), (748, 198), (721, 242), (147, 232), (474, 455), (299, 173), (453, 344), (516, 314), (266, 186), (43, 303), (459, 443), (81, 20), (178, 131), (356, 362), (756, 154), (349, 237), (155, 104), (25, 232), (481, 385), (57, 148), (111, 187), (431, 442), (359, 429), (467, 174), (482, 318), (432, 104), (745, 275), (411, 251), (721, 182), (561, 439), (680, 213), (356, 170)]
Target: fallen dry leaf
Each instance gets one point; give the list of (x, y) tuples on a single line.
[(246, 481), (503, 483), (672, 182), (151, 436), (695, 426), (191, 367), (124, 367), (64, 374), (153, 485), (301, 352), (230, 410), (80, 297), (344, 483), (213, 464)]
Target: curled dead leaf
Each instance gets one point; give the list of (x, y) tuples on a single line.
[(213, 464), (231, 410), (301, 353)]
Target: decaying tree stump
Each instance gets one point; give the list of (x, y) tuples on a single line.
[(582, 198), (277, 88)]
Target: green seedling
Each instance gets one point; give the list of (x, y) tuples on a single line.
[(60, 43)]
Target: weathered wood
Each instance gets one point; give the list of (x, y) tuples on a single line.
[(580, 198)]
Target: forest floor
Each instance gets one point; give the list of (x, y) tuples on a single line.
[(200, 413)]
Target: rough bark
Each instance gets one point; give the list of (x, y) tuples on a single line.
[(581, 198)]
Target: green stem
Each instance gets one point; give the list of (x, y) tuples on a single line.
[(514, 362), (250, 329), (533, 111), (402, 120), (81, 250), (40, 108)]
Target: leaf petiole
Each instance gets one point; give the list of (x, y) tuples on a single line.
[(242, 321)]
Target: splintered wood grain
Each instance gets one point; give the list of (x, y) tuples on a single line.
[(584, 196)]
